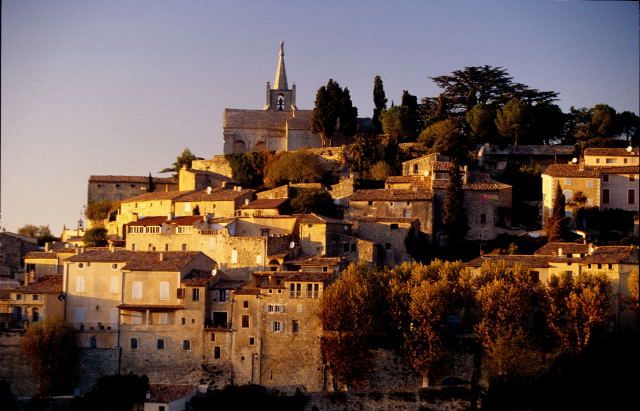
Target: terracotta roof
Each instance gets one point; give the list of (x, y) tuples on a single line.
[(315, 261), (573, 170), (309, 277), (529, 261), (222, 282), (442, 165), (148, 221), (402, 179), (5, 293), (247, 291), (49, 284), (197, 278), (139, 260), (613, 255), (614, 152), (392, 195), (315, 276), (166, 393), (156, 195), (407, 220), (130, 179), (265, 203), (313, 218), (41, 255), (476, 182), (567, 248)]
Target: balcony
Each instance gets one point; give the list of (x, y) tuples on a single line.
[(223, 326)]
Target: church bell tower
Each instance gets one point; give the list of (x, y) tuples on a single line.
[(281, 97)]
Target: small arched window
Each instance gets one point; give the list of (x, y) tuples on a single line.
[(280, 102)]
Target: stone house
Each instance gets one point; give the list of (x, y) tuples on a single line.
[(117, 188), (494, 158), (265, 207), (607, 177), (557, 258), (49, 261), (390, 235), (317, 233), (13, 249), (168, 397), (34, 301)]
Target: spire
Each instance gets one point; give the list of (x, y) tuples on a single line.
[(280, 83)]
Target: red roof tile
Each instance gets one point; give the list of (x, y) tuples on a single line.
[(130, 179), (614, 152), (567, 248), (573, 170), (41, 255), (266, 203), (49, 284), (166, 393), (139, 260), (392, 195)]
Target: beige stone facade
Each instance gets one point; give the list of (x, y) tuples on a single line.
[(117, 188)]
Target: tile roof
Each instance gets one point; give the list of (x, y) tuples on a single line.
[(139, 260), (383, 194), (476, 182), (442, 165), (197, 278), (313, 218), (573, 170), (166, 393), (148, 221), (49, 284), (130, 179), (614, 152), (265, 203), (151, 306), (533, 150), (44, 255), (567, 248), (613, 255), (247, 291), (316, 261), (156, 195), (407, 220), (219, 194), (309, 276)]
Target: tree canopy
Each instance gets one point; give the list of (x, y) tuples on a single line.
[(317, 201), (294, 167), (184, 159), (95, 237), (333, 112)]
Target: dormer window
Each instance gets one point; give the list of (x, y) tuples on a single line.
[(280, 102)]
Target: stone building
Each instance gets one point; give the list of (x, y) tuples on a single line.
[(116, 188), (13, 249), (279, 126), (607, 177), (494, 159), (34, 301)]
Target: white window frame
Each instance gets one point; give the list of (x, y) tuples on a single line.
[(276, 326), (80, 284), (163, 318), (114, 284), (136, 290), (164, 290)]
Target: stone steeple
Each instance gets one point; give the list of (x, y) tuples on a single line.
[(280, 82)]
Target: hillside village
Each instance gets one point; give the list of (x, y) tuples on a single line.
[(236, 271)]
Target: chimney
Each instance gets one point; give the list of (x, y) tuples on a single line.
[(591, 249), (161, 256), (246, 201), (581, 165), (465, 175), (559, 251), (46, 247), (169, 216)]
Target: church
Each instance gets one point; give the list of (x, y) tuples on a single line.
[(279, 126)]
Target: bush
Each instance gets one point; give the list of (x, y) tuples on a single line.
[(248, 397), (294, 167), (314, 201), (249, 168), (115, 393), (99, 210), (95, 237)]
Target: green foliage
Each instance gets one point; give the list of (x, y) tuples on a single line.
[(294, 167), (514, 121), (183, 160), (116, 393), (629, 126), (51, 348), (99, 210), (248, 397), (249, 168), (446, 137), (526, 183), (379, 103), (348, 357), (548, 123), (333, 112), (95, 237), (381, 170), (7, 399), (151, 185), (317, 201), (609, 223), (391, 120), (481, 120), (31, 230), (410, 119), (454, 217)]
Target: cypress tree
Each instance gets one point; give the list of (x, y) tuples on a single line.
[(151, 185), (379, 103), (454, 218), (554, 225)]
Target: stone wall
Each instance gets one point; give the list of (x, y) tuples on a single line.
[(278, 192), (216, 164)]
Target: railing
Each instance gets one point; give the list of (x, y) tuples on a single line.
[(218, 325), (312, 294), (84, 326), (295, 294), (210, 232)]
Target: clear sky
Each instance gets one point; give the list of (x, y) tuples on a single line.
[(122, 87)]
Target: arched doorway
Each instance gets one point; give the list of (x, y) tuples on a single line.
[(261, 146), (239, 146)]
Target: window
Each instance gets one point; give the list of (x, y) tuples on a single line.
[(186, 345), (252, 341), (137, 290), (605, 196), (166, 247), (597, 160), (415, 169), (19, 296), (234, 256), (483, 218), (589, 183), (599, 266), (610, 266), (35, 315), (93, 342), (295, 290), (632, 178), (222, 296), (631, 196), (611, 160), (370, 203), (213, 336), (346, 247), (568, 195), (160, 344), (164, 290), (245, 304), (133, 247), (79, 284), (353, 247), (387, 246), (245, 321), (393, 226), (195, 294), (180, 293), (216, 352), (567, 181), (605, 178), (277, 326), (184, 247), (163, 318), (114, 284), (133, 343), (35, 297), (295, 326), (161, 408)]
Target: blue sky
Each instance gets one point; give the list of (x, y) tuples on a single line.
[(121, 87)]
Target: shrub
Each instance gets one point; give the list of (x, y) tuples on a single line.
[(294, 167)]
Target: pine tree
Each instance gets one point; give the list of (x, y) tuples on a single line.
[(379, 102), (333, 111), (454, 218)]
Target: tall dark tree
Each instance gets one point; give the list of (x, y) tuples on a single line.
[(554, 224), (454, 217), (603, 120), (151, 185), (333, 112), (481, 120), (548, 122), (446, 137), (514, 121), (629, 126), (410, 120), (379, 103)]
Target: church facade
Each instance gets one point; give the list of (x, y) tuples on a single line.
[(279, 126)]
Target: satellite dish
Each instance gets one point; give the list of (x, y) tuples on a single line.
[(214, 272), (574, 160), (292, 244), (629, 149), (209, 190)]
